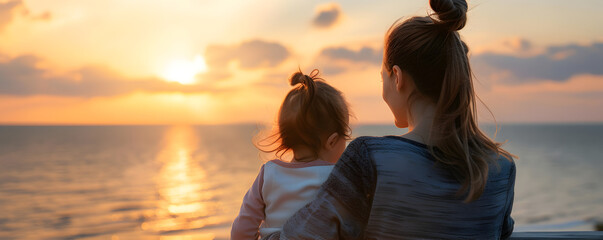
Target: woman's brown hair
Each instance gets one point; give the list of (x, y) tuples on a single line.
[(311, 111), (431, 51)]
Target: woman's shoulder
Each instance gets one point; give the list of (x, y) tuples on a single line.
[(388, 139), (372, 143), (370, 149), (504, 165)]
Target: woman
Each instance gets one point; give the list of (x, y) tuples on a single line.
[(444, 179)]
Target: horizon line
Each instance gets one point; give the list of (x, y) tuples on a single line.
[(269, 124)]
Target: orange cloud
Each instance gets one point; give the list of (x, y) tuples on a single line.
[(253, 54), (9, 9), (27, 75), (7, 12)]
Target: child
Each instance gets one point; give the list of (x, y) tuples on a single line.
[(313, 123)]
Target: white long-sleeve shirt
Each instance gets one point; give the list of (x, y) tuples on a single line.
[(280, 189)]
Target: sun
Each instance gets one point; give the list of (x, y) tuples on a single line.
[(184, 71)]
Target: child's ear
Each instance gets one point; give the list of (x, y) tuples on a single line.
[(332, 141)]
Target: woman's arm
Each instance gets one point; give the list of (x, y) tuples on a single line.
[(247, 224), (342, 206), (508, 222)]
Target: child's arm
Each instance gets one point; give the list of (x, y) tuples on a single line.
[(247, 224)]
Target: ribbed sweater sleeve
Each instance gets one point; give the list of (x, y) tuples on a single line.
[(508, 222)]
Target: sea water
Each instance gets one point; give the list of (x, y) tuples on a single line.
[(187, 182)]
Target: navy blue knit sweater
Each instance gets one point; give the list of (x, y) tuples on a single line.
[(392, 188)]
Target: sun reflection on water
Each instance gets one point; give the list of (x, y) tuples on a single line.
[(184, 194)]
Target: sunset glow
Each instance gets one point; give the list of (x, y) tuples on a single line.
[(217, 62), (151, 120), (183, 71)]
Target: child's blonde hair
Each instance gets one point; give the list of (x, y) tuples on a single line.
[(311, 111)]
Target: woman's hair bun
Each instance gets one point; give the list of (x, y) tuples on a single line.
[(451, 14)]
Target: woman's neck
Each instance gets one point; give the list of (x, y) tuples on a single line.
[(420, 121)]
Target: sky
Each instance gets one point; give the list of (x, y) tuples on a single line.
[(225, 62)]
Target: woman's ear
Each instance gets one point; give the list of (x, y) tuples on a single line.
[(332, 141), (399, 76)]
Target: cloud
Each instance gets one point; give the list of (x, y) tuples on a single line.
[(327, 15), (518, 44), (365, 54), (45, 16), (577, 99), (7, 12), (557, 63), (9, 9), (23, 76), (335, 60), (250, 55)]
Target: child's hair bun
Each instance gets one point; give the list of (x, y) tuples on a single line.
[(451, 14), (306, 80), (298, 77)]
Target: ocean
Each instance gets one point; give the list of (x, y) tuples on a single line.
[(187, 182)]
